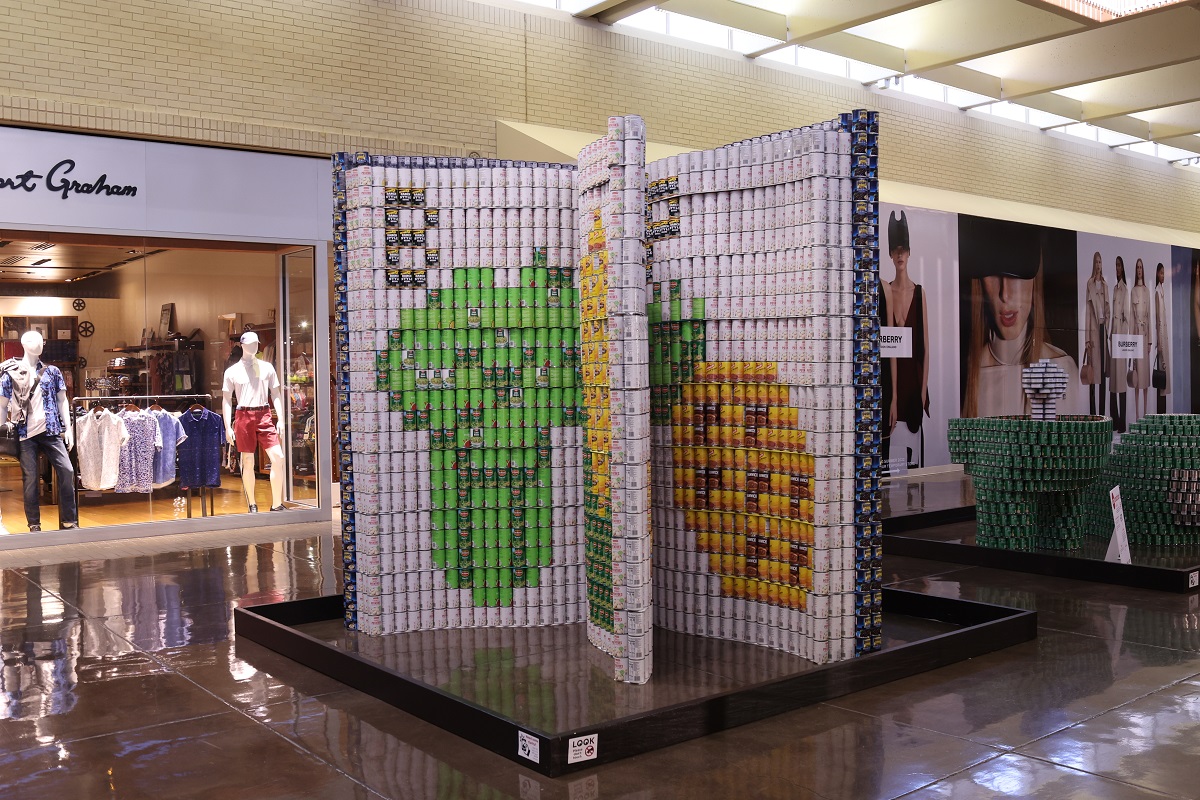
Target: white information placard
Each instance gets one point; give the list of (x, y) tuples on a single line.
[(583, 748), (1118, 547), (529, 746), (1127, 345), (895, 342)]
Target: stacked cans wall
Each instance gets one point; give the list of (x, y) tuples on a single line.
[(457, 392), (765, 374), (616, 396)]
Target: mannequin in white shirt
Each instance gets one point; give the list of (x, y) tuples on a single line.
[(254, 383), (46, 429)]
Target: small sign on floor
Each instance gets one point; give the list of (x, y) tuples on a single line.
[(529, 747), (1118, 547), (583, 748)]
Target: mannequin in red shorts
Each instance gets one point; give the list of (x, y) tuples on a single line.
[(255, 385)]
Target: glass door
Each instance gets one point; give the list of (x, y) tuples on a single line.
[(297, 370)]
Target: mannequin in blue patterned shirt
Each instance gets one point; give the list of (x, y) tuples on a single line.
[(42, 419)]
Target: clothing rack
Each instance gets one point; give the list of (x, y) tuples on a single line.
[(127, 398), (206, 494)]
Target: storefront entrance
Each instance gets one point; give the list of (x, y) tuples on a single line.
[(167, 314)]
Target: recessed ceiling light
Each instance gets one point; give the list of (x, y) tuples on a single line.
[(132, 252), (42, 246)]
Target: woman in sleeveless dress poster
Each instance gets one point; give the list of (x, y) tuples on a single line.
[(905, 306)]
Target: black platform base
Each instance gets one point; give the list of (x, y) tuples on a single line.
[(946, 631), (933, 536)]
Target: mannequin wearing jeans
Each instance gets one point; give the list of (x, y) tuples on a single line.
[(254, 384), (43, 426)]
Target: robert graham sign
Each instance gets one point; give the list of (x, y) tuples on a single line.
[(74, 182), (62, 180), (71, 181)]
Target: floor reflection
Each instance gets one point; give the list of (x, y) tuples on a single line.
[(1095, 547), (120, 679), (918, 495)]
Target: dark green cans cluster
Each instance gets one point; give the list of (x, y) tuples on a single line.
[(1031, 477), (1151, 464)]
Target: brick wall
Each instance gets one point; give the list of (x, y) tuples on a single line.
[(432, 76)]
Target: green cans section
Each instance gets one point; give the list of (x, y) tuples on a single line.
[(1155, 464), (1032, 477), (457, 375)]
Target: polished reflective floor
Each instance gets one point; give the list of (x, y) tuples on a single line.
[(1181, 557), (553, 681), (919, 495), (904, 497), (120, 680)]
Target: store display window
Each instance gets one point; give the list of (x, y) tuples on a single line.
[(147, 380)]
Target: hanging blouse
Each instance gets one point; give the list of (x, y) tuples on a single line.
[(101, 435), (200, 452), (136, 469), (173, 435)]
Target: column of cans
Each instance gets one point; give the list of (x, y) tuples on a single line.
[(612, 265), (863, 128), (340, 163), (752, 367), (458, 408)]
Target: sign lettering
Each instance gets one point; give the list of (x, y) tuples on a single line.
[(895, 342), (1127, 345), (583, 748), (57, 180)]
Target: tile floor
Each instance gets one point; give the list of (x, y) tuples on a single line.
[(120, 680)]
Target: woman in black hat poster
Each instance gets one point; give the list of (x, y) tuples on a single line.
[(1004, 266), (905, 306)]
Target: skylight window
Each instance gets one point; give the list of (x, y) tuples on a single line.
[(1145, 148), (1115, 138), (746, 42), (866, 73), (1081, 130), (697, 30), (652, 19), (919, 87), (1103, 10), (962, 98), (1009, 110), (712, 34), (785, 55), (820, 61), (1176, 154), (1044, 119)]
